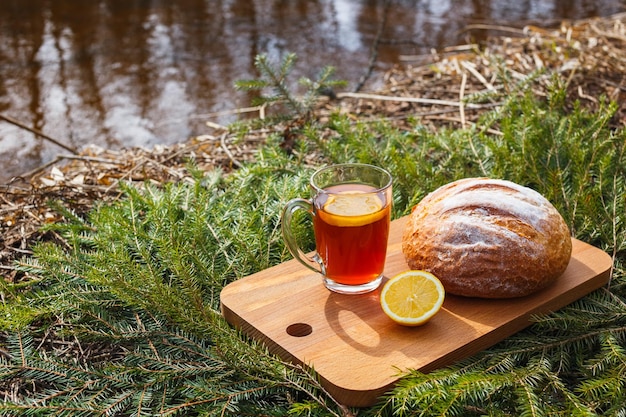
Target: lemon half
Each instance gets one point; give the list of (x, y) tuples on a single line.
[(413, 297)]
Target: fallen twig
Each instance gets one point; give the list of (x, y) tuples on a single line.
[(411, 100), (37, 132)]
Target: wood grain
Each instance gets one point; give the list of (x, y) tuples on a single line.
[(357, 351)]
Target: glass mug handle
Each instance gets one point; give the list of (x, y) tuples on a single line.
[(315, 262)]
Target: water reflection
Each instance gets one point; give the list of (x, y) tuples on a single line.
[(141, 72)]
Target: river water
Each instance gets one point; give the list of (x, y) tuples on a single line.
[(121, 73)]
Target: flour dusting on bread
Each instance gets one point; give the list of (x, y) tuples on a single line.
[(488, 238)]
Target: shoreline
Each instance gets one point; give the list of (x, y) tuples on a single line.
[(441, 92)]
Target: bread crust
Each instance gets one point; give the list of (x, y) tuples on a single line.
[(487, 238)]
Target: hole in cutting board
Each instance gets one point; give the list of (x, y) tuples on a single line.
[(299, 329)]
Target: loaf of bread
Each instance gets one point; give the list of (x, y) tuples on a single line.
[(487, 238)]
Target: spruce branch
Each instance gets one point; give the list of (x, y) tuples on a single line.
[(276, 79), (124, 316)]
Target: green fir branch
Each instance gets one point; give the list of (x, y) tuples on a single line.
[(124, 318), (275, 78)]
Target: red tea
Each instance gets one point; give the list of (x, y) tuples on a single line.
[(351, 225)]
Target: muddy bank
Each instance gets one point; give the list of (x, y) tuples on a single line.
[(119, 74)]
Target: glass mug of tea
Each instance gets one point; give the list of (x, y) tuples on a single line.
[(351, 211)]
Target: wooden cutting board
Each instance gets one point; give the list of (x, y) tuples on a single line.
[(357, 351)]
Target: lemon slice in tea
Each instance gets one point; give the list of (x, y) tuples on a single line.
[(413, 297), (352, 208)]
